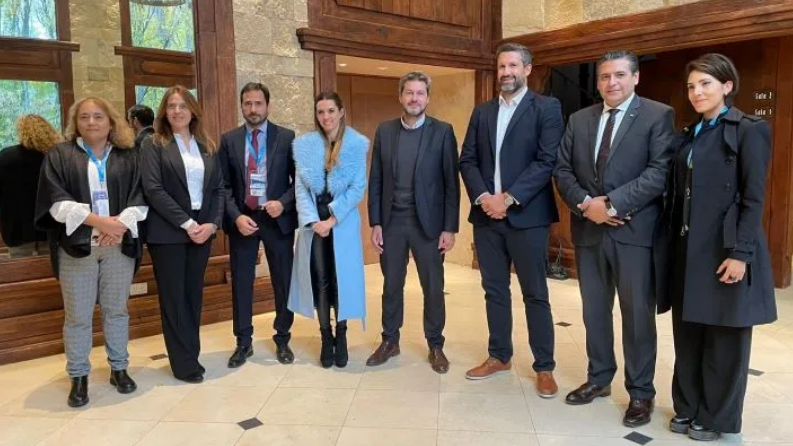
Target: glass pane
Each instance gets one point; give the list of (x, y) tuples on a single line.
[(152, 96), (161, 25), (21, 97), (34, 19)]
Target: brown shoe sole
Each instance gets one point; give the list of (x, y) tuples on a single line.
[(477, 378), (375, 364)]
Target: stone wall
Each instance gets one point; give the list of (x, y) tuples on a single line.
[(97, 71), (452, 100), (529, 16), (268, 51)]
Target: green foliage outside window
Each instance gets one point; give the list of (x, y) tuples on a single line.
[(162, 27), (22, 97), (32, 19), (152, 96)]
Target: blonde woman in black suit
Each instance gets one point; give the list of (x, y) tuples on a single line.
[(183, 184)]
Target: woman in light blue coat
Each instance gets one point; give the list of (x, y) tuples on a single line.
[(330, 163)]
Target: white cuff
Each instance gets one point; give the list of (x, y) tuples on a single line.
[(72, 213), (131, 216), (478, 200), (188, 224), (586, 199)]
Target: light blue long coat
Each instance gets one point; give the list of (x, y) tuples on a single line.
[(346, 184)]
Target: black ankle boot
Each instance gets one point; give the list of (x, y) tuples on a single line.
[(79, 394), (123, 382), (341, 345), (326, 354)]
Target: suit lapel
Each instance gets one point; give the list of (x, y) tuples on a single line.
[(492, 124), (240, 148), (523, 106), (627, 121), (272, 144), (174, 156), (594, 123), (208, 165), (394, 146), (426, 137)]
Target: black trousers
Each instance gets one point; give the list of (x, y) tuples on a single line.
[(711, 363), (179, 272), (278, 249), (402, 236), (323, 270), (498, 245), (602, 268)]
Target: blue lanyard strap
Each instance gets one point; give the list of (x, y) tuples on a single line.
[(101, 165), (259, 157)]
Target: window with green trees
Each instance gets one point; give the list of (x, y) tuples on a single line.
[(22, 97), (152, 96), (33, 19), (162, 24)]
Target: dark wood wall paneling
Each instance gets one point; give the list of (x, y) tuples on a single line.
[(676, 35), (31, 307)]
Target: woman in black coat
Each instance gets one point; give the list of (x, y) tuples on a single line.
[(715, 268), (182, 182)]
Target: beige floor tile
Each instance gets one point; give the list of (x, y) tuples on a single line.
[(260, 370), (290, 436), (316, 407), (193, 434), (356, 436), (507, 383), (49, 399), (312, 375), (220, 404), (555, 417), (782, 382), (394, 409), (100, 433), (415, 376), (145, 404), (21, 431), (767, 422), (468, 438), (480, 412)]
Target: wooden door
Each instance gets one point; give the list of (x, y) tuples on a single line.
[(369, 101)]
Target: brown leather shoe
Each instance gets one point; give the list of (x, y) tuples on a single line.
[(383, 353), (488, 369), (438, 360), (546, 385)]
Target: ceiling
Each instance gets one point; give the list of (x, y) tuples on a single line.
[(388, 68)]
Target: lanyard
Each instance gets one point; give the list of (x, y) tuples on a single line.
[(259, 157), (101, 165), (698, 128)]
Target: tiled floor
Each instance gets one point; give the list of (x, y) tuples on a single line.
[(400, 403)]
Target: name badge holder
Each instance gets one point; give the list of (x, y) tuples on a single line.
[(100, 201), (258, 180)]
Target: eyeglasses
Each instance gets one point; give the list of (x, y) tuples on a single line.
[(182, 106)]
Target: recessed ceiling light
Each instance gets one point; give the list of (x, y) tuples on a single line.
[(382, 68), (342, 64)]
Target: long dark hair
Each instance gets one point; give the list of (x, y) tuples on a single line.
[(163, 133), (332, 149)]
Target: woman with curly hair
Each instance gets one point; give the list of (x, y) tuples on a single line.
[(90, 201), (19, 178)]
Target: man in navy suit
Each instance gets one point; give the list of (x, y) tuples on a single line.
[(258, 172), (506, 163)]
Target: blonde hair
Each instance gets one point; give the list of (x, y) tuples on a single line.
[(332, 149), (163, 133), (35, 133), (121, 135)]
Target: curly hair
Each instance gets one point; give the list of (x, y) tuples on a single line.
[(121, 135), (35, 133)]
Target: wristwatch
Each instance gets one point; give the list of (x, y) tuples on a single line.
[(610, 211), (509, 200)]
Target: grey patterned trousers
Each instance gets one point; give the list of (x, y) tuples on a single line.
[(105, 277)]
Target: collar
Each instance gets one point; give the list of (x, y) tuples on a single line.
[(80, 142), (418, 124), (262, 127), (515, 100), (143, 129), (623, 107)]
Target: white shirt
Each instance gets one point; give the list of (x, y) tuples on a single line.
[(73, 214), (262, 138), (505, 112), (418, 123), (194, 169), (623, 110)]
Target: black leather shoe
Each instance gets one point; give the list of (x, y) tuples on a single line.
[(79, 393), (240, 356), (327, 355), (679, 424), (284, 354), (195, 378), (586, 394), (699, 432), (384, 352), (342, 356), (122, 381), (639, 412)]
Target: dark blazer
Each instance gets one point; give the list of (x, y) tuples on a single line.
[(528, 156), (19, 179), (280, 175), (726, 221), (634, 176), (436, 180), (144, 132), (165, 189)]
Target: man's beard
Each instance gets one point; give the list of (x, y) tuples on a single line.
[(515, 86), (416, 114), (254, 120)]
